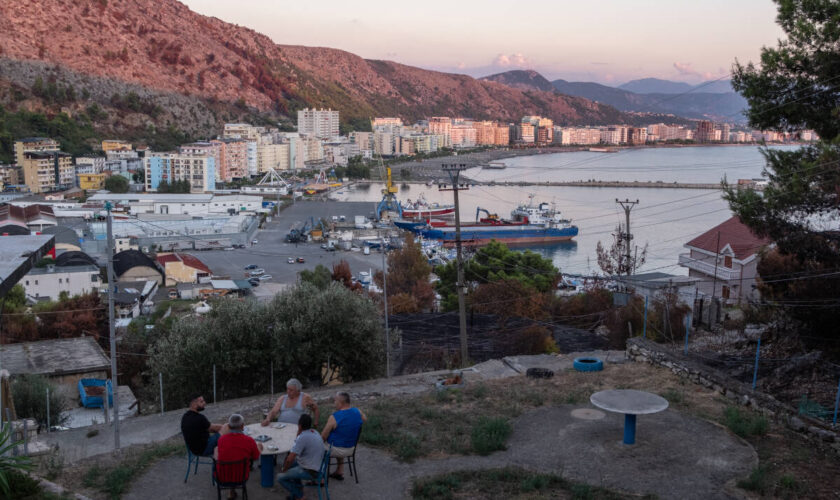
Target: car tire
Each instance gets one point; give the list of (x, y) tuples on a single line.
[(588, 364)]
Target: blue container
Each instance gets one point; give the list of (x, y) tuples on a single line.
[(95, 401)]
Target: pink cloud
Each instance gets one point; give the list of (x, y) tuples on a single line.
[(685, 69), (513, 60)]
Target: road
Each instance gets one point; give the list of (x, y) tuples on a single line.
[(272, 252)]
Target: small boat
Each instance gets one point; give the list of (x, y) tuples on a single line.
[(495, 165), (421, 209)]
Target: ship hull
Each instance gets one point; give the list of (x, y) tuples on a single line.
[(511, 235), (427, 212)]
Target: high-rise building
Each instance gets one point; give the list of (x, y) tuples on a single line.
[(274, 156), (10, 175), (232, 158), (705, 131), (525, 133), (636, 135), (33, 145), (213, 149), (45, 171), (321, 123), (386, 122), (441, 125)]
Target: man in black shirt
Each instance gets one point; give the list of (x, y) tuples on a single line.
[(196, 428)]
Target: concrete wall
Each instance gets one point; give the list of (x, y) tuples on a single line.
[(141, 273)]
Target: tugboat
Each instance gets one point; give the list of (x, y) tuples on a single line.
[(421, 209)]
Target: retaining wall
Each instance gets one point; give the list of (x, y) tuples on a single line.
[(646, 351)]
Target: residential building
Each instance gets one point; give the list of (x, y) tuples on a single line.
[(313, 149), (10, 175), (390, 122), (525, 133), (363, 139), (274, 156), (243, 131), (211, 149), (657, 285), (705, 131), (51, 281), (115, 145), (233, 158), (544, 136), (384, 143), (34, 145), (48, 171), (134, 265), (463, 135), (442, 125), (501, 135), (637, 136), (197, 169), (611, 135), (91, 182), (321, 123), (183, 268), (572, 136), (726, 259), (90, 164), (725, 131)]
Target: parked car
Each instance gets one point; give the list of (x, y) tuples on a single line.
[(251, 266), (254, 281), (291, 260), (254, 242), (258, 272), (265, 277), (228, 249), (301, 260)]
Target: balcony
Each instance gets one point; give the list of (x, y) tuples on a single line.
[(723, 273)]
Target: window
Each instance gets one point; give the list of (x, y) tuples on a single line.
[(59, 281), (36, 282), (725, 292), (27, 282), (727, 261)]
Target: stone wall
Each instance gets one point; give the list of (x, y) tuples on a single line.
[(646, 351)]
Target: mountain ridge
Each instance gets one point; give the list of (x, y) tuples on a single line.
[(164, 46)]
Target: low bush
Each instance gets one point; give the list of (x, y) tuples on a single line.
[(489, 435), (29, 393), (745, 424), (758, 480)]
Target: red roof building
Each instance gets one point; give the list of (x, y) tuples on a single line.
[(183, 268), (726, 259)]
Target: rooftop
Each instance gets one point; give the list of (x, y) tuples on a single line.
[(17, 256), (732, 233), (186, 259), (54, 357), (85, 268)]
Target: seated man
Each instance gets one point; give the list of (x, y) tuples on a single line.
[(342, 430), (304, 460), (196, 428), (233, 447), (292, 405)]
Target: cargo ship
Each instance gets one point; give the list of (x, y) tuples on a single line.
[(528, 224)]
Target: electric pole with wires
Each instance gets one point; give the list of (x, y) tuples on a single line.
[(629, 262), (111, 290), (454, 172)]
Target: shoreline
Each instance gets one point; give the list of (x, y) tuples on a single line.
[(430, 169)]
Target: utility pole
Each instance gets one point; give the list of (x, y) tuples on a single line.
[(454, 172), (714, 281), (385, 296), (111, 291), (627, 205)]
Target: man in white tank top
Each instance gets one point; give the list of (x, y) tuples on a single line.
[(292, 405)]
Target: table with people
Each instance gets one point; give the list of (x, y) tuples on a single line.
[(289, 427)]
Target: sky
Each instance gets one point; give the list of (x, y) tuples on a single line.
[(606, 41)]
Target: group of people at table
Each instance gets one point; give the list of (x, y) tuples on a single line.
[(228, 442)]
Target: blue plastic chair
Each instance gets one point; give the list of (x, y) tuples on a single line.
[(323, 476), (198, 460)]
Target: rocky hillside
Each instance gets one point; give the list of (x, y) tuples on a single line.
[(522, 79), (165, 48)]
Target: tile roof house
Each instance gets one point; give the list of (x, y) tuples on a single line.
[(726, 259), (64, 360), (30, 218), (183, 268)]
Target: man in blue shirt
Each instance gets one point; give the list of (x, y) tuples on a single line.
[(342, 431), (304, 459)]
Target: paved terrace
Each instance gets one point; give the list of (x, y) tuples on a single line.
[(701, 459)]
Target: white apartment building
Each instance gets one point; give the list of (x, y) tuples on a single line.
[(274, 156), (242, 131), (611, 135), (90, 165), (51, 281), (197, 169), (321, 123)]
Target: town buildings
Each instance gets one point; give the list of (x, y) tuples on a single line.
[(115, 145), (50, 281), (33, 145), (705, 131), (198, 169), (321, 123)]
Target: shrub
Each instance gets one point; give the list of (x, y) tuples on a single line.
[(489, 435), (11, 467), (745, 424), (29, 393), (758, 480)]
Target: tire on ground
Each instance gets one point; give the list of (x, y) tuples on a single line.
[(588, 364)]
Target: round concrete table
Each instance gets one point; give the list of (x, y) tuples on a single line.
[(630, 402), (282, 438)]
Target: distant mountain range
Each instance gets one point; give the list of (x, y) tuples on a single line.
[(713, 100)]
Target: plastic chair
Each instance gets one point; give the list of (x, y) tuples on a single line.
[(232, 475), (197, 459), (323, 478), (351, 460)]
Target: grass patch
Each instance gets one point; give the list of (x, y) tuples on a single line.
[(758, 481), (114, 479), (674, 396), (509, 482), (743, 423), (489, 435)]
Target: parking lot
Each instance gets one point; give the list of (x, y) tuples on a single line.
[(272, 252)]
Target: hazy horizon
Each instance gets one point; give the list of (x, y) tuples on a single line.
[(614, 43)]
